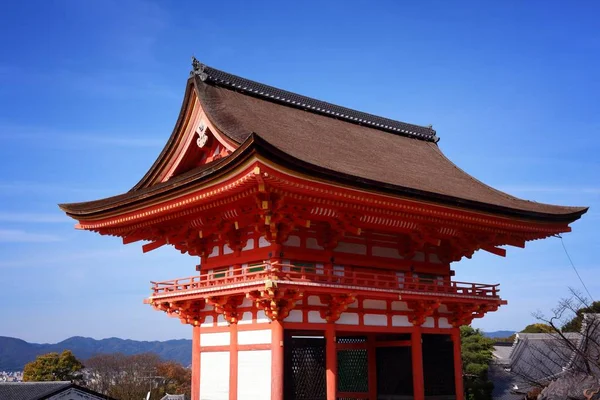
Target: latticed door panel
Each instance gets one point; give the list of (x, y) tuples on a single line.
[(353, 367), (305, 369)]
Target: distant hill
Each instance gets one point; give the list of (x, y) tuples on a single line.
[(15, 353), (498, 334)]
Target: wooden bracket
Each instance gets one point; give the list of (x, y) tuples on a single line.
[(420, 310), (227, 306), (276, 303), (336, 305)]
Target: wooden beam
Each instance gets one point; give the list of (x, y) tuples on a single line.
[(154, 245), (494, 250), (131, 239)]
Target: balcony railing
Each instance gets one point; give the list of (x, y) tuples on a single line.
[(349, 277)]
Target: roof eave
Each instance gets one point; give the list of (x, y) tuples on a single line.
[(256, 144)]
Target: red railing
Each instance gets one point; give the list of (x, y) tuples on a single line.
[(349, 277)]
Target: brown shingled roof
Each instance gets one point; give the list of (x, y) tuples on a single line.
[(372, 155)]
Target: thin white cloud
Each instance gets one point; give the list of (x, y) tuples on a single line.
[(36, 218), (41, 135), (20, 187), (67, 257), (19, 236), (549, 189)]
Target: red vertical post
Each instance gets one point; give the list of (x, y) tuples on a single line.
[(331, 361), (372, 360), (196, 363), (417, 364), (458, 376), (276, 360), (233, 361)]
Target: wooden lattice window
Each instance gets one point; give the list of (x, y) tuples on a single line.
[(303, 266), (220, 273), (256, 267), (430, 279)]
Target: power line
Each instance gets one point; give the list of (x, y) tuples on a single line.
[(573, 265)]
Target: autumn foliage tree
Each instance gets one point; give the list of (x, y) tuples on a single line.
[(54, 367), (132, 377)]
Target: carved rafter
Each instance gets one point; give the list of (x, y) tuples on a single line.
[(276, 303), (421, 309), (417, 239), (227, 306), (188, 312), (336, 305), (463, 314)]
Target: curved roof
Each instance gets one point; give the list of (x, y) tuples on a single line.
[(338, 144)]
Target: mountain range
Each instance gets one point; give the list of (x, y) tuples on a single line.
[(15, 353), (498, 334)]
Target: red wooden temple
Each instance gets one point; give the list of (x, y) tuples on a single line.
[(325, 238)]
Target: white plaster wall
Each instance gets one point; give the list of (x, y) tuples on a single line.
[(214, 252), (375, 304), (429, 323), (443, 323), (262, 336), (348, 319), (208, 321), (353, 248), (385, 252), (254, 375), (215, 339), (214, 376), (246, 303), (434, 258), (245, 318), (293, 241), (399, 306), (294, 316), (221, 320), (314, 301), (400, 320), (261, 318), (375, 319), (227, 249), (338, 270), (315, 317), (311, 243), (443, 309)]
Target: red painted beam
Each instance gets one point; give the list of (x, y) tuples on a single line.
[(494, 250), (154, 245)]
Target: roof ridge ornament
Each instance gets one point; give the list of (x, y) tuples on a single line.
[(198, 69)]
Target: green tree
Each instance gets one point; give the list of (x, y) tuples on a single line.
[(53, 367), (574, 325), (538, 328), (476, 352)]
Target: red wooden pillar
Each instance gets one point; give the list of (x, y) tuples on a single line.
[(331, 361), (417, 364), (196, 363), (458, 376), (276, 360), (372, 360), (233, 361)]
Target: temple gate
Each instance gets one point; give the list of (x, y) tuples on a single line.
[(325, 238)]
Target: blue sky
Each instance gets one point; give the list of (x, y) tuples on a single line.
[(90, 91)]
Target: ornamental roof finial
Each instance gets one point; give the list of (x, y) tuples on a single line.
[(198, 69)]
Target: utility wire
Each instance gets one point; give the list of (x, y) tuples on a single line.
[(573, 265)]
